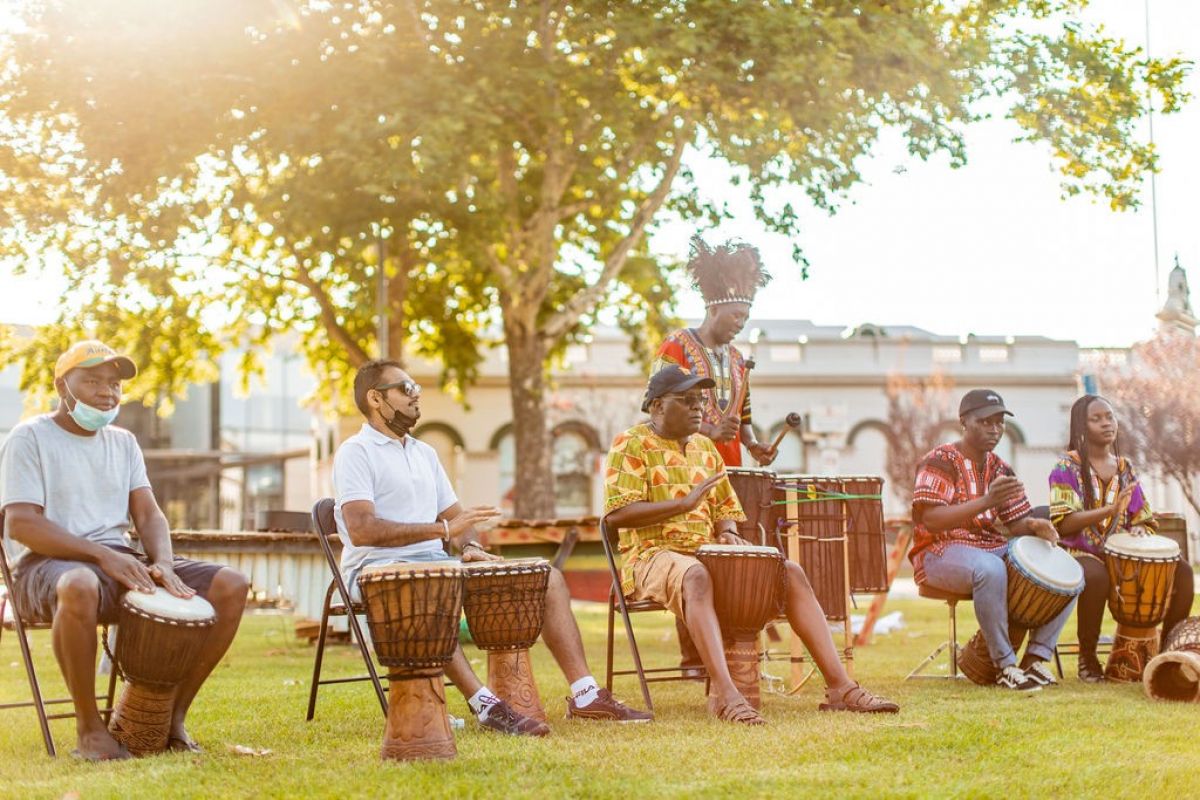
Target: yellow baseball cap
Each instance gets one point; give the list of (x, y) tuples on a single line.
[(92, 353)]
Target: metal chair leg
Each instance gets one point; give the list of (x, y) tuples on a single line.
[(637, 657), (361, 642), (612, 613), (953, 638), (34, 687), (319, 656)]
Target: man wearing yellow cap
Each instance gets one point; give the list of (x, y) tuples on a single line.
[(71, 486)]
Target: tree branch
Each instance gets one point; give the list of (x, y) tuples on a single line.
[(354, 351)]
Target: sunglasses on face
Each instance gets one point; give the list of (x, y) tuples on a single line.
[(688, 400), (410, 388)]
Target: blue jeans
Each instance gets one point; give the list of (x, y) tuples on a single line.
[(965, 569)]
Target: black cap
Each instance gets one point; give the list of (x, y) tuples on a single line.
[(982, 403), (672, 378)]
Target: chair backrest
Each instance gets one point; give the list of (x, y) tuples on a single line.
[(6, 572), (326, 526)]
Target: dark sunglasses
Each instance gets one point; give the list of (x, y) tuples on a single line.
[(410, 388)]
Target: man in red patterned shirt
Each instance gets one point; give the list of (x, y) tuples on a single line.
[(967, 504)]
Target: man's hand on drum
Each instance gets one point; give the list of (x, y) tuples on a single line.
[(164, 575), (696, 496), (126, 570), (469, 518), (473, 552), (1003, 489), (764, 454), (724, 431), (730, 537), (1044, 529)]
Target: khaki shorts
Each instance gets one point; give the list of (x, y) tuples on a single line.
[(660, 578)]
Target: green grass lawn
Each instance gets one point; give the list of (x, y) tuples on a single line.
[(950, 739)]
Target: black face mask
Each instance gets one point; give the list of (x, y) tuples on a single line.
[(400, 423)]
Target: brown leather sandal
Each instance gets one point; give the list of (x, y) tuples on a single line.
[(739, 711), (859, 700)]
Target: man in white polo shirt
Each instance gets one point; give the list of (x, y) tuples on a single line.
[(395, 503)]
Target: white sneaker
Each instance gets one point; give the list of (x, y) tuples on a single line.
[(1011, 677), (1040, 671)]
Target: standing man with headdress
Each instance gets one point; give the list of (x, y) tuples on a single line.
[(728, 277)]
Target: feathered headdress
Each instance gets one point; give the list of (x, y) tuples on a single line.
[(730, 273)]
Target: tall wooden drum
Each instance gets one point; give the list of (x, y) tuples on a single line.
[(159, 638), (412, 612), (867, 544), (754, 490), (747, 594), (1141, 574), (504, 603)]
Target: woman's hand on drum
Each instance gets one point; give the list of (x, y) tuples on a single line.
[(126, 570), (1044, 529), (696, 496), (164, 575), (470, 517), (729, 537)]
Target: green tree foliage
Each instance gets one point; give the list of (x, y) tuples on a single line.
[(209, 172)]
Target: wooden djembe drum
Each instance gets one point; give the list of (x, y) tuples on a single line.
[(1042, 580), (504, 603), (1174, 674), (748, 586), (412, 612), (1141, 574), (159, 638)]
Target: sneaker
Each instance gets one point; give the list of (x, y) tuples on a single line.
[(503, 719), (606, 707), (1040, 671), (1011, 677), (1090, 670)]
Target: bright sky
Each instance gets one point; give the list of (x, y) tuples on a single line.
[(988, 249)]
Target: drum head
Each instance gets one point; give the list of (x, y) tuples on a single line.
[(1154, 547), (1046, 563), (166, 605), (735, 549), (404, 569), (509, 565), (750, 472)]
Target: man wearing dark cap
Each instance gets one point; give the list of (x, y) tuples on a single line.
[(666, 491), (967, 504), (71, 486)]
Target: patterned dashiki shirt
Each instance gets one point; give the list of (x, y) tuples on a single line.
[(1066, 496), (684, 348), (946, 477), (644, 466)]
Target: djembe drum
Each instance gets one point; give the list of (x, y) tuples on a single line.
[(1174, 674), (504, 603), (867, 544), (1042, 580), (755, 492), (412, 613), (159, 638), (748, 593), (1141, 573)]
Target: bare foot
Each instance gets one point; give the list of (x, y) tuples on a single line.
[(99, 745)]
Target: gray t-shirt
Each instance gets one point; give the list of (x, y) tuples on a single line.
[(82, 483)]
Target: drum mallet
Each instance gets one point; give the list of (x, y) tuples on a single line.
[(791, 423)]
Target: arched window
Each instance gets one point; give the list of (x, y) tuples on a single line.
[(573, 460), (505, 445), (791, 451), (448, 444)]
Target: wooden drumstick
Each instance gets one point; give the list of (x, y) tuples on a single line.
[(792, 421), (735, 408)]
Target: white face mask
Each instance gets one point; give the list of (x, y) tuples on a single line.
[(88, 417)]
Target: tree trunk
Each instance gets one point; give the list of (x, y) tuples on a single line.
[(533, 485)]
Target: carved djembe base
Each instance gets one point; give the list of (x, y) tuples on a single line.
[(975, 661), (1132, 650), (418, 726), (510, 676), (141, 718), (741, 656)]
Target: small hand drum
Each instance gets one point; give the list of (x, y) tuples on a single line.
[(412, 612), (1042, 580), (748, 592), (1141, 574), (505, 603), (159, 639), (1174, 674)]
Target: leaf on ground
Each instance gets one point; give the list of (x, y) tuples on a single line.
[(245, 750), (291, 682)]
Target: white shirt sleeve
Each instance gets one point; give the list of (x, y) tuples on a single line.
[(137, 466), (21, 470), (352, 477)]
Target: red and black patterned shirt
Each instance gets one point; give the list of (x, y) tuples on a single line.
[(946, 477)]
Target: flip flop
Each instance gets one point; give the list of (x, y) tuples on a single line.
[(95, 757), (177, 745)]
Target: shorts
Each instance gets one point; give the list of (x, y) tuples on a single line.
[(660, 578), (37, 582)]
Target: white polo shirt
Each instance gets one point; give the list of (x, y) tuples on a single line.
[(405, 481)]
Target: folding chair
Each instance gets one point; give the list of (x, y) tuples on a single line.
[(952, 599), (617, 599), (20, 625), (325, 526)]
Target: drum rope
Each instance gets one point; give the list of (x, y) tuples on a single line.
[(112, 659)]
